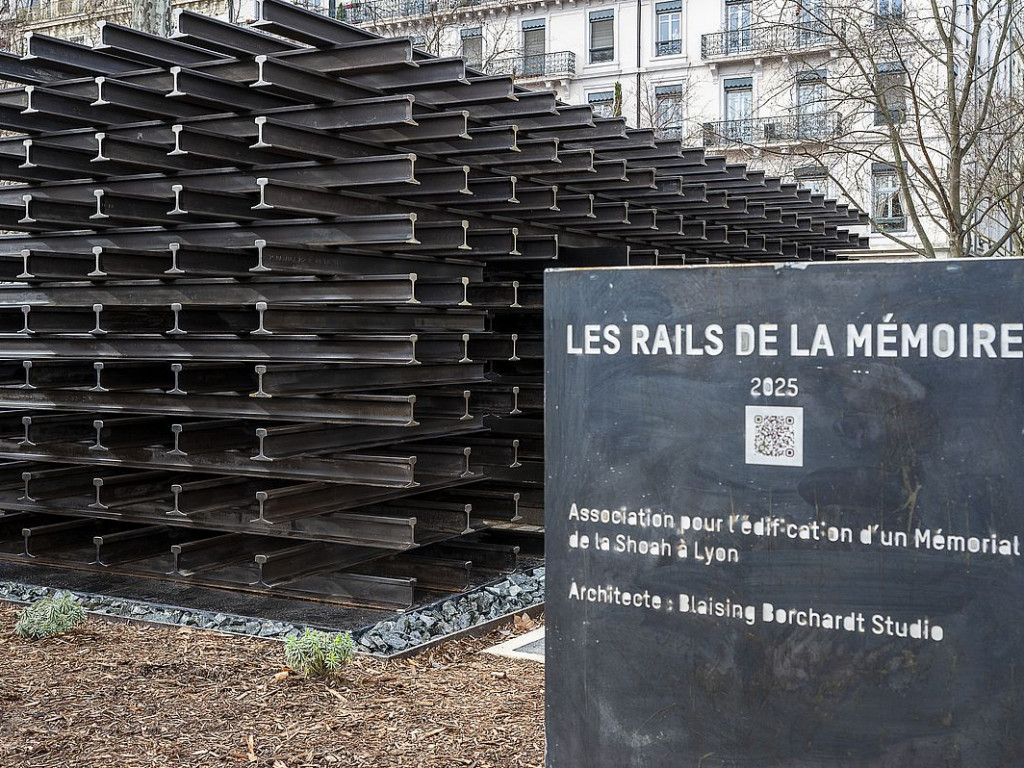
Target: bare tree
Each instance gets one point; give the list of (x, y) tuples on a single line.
[(425, 21), (9, 32), (441, 27), (153, 16), (922, 101), (664, 105), (71, 19)]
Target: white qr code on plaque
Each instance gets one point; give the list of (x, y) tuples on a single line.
[(775, 435)]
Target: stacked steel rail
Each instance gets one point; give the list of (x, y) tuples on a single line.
[(272, 320)]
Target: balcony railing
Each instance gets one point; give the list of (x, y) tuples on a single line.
[(668, 47), (884, 20), (324, 7), (668, 132), (889, 224), (764, 39), (37, 11), (770, 130), (381, 11), (895, 116), (62, 10), (540, 65)]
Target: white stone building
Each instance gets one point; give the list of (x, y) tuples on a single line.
[(764, 82)]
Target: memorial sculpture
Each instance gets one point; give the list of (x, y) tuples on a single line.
[(272, 317)]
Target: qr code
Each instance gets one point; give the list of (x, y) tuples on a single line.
[(775, 435)]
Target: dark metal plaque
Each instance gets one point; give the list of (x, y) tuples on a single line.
[(784, 516)]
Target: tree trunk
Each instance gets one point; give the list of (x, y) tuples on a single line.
[(153, 16)]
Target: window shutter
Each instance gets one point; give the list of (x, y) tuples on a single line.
[(811, 76), (810, 172), (675, 89), (534, 39), (891, 68), (738, 83), (886, 167), (602, 36)]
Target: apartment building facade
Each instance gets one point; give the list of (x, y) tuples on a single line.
[(76, 20), (754, 80)]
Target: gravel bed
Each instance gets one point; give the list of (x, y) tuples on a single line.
[(517, 592), (139, 610)]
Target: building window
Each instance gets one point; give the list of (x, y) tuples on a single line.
[(534, 46), (602, 36), (887, 214), (811, 29), (603, 103), (888, 10), (738, 16), (738, 109), (473, 46), (814, 178), (812, 118), (891, 94), (670, 35), (668, 116)]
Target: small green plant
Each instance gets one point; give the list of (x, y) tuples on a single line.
[(319, 654), (48, 617)]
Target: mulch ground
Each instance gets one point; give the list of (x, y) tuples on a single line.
[(127, 696)]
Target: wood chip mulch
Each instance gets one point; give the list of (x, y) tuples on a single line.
[(129, 696)]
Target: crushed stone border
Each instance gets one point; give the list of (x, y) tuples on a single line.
[(401, 634)]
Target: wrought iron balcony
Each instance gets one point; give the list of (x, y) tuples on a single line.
[(324, 7), (537, 65), (895, 115), (764, 39), (381, 11), (119, 11), (31, 11), (770, 130), (668, 47), (895, 16), (889, 224)]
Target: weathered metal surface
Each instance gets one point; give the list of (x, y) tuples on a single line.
[(783, 516), (283, 286)]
